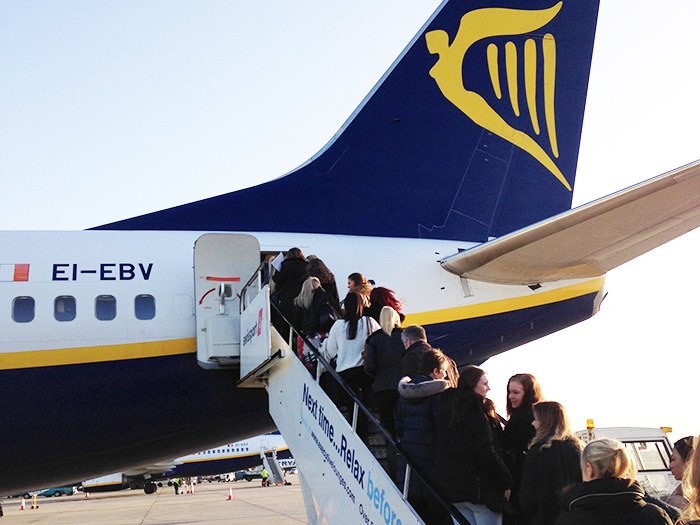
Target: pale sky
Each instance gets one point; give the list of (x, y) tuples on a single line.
[(110, 109)]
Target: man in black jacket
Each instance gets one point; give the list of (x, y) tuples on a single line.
[(415, 342)]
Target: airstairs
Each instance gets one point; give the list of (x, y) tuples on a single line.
[(269, 459), (341, 479)]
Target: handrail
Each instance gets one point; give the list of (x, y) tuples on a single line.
[(410, 465), (256, 278)]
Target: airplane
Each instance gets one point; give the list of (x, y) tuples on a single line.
[(224, 458), (456, 175)]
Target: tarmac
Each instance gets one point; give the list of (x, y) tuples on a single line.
[(251, 503)]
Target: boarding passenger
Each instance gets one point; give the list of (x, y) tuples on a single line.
[(288, 283), (358, 284), (383, 363), (523, 391), (469, 470), (553, 463), (691, 481), (418, 414), (380, 297), (317, 268), (416, 344), (316, 316), (609, 494), (346, 342), (680, 458)]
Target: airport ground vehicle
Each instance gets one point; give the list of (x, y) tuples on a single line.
[(651, 451), (248, 475), (57, 491)]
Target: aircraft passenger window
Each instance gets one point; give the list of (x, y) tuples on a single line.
[(23, 309), (64, 308), (145, 307), (105, 307)]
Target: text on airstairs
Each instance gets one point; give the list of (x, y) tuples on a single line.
[(375, 494)]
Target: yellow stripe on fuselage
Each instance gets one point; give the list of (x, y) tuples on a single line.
[(96, 354), (505, 305), (101, 354)]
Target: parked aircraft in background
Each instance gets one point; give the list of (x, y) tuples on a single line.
[(219, 460), (452, 183)]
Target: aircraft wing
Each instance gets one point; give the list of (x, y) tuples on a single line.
[(590, 240)]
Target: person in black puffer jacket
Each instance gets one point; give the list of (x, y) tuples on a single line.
[(609, 495)]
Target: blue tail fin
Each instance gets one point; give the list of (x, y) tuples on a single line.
[(472, 133)]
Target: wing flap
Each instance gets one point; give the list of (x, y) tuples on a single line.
[(590, 240)]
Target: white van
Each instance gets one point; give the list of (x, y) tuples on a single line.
[(651, 451)]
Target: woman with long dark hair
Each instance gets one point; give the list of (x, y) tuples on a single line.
[(523, 392), (317, 268), (680, 457), (288, 283), (469, 470), (358, 284), (346, 341)]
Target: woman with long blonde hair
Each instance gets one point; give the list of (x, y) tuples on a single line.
[(315, 314), (691, 489), (383, 362), (553, 462)]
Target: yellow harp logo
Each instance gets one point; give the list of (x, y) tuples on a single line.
[(490, 22)]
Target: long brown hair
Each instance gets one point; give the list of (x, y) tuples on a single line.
[(465, 399), (554, 425), (532, 393)]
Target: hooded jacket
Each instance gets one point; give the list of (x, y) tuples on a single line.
[(418, 414)]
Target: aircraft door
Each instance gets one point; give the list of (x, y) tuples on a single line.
[(223, 263)]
